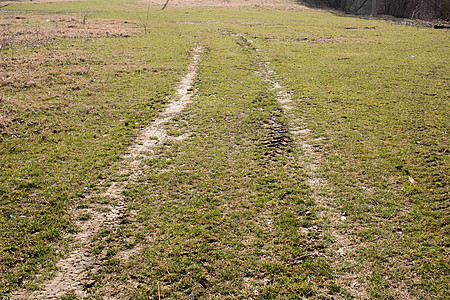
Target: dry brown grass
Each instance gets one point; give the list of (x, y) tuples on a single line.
[(275, 4), (39, 31), (36, 29), (4, 3), (28, 57)]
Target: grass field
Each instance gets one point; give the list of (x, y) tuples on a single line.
[(343, 193)]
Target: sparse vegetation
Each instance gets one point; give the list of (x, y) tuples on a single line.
[(233, 210)]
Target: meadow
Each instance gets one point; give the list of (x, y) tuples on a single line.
[(312, 162)]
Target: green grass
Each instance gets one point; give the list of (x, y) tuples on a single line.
[(216, 214), (382, 106), (67, 130)]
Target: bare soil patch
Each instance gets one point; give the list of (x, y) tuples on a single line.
[(276, 4)]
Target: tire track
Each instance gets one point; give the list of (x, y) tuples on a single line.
[(330, 217), (72, 276)]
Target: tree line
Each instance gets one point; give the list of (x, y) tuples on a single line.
[(421, 9)]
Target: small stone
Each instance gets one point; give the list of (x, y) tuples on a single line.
[(89, 284)]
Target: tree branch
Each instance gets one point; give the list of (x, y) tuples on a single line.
[(167, 2)]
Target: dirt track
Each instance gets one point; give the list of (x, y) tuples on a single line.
[(74, 269)]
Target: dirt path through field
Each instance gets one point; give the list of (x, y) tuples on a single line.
[(72, 276), (338, 252), (329, 215)]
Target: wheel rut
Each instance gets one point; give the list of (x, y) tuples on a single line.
[(72, 276), (330, 217)]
